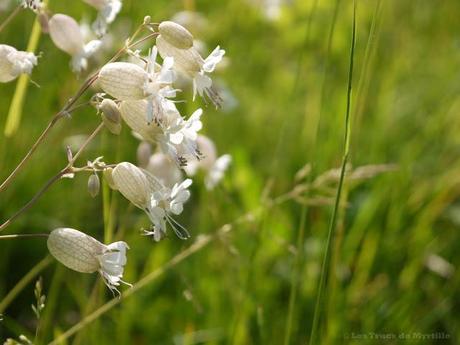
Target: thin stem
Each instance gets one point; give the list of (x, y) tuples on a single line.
[(332, 225), (29, 153), (198, 245), (87, 141), (10, 17), (65, 111), (34, 199), (68, 169), (202, 242), (5, 237)]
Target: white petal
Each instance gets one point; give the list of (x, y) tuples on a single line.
[(176, 138), (65, 33), (213, 59), (91, 47)]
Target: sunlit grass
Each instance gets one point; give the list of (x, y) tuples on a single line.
[(258, 283)]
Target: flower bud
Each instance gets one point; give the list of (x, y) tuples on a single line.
[(176, 35), (132, 183), (110, 110), (93, 185), (65, 33), (75, 249), (111, 116), (164, 169), (144, 151), (147, 20), (107, 173), (134, 114), (123, 80)]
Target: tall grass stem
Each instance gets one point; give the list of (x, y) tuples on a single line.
[(322, 286)]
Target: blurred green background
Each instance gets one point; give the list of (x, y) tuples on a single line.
[(395, 260)]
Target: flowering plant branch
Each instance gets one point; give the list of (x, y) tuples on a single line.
[(141, 94)]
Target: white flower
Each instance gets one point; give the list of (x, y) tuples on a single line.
[(146, 192), (85, 254), (123, 80), (217, 171), (213, 166), (143, 153), (14, 62), (158, 86), (190, 62), (175, 136), (179, 137), (108, 11), (128, 82), (67, 36), (134, 113), (80, 60), (164, 202)]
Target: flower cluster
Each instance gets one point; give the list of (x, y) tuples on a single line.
[(141, 93), (144, 93)]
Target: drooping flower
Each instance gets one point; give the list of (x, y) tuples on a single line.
[(14, 62), (129, 82), (123, 80), (85, 254), (190, 62), (178, 138), (175, 136), (146, 192), (213, 166), (66, 35), (217, 171), (108, 11), (158, 86), (164, 202)]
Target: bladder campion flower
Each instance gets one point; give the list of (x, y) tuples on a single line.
[(213, 166), (146, 192), (66, 35), (128, 82), (190, 62), (85, 254), (110, 115), (175, 136), (14, 62), (123, 80), (108, 10)]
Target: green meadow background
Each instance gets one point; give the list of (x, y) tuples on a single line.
[(257, 283)]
